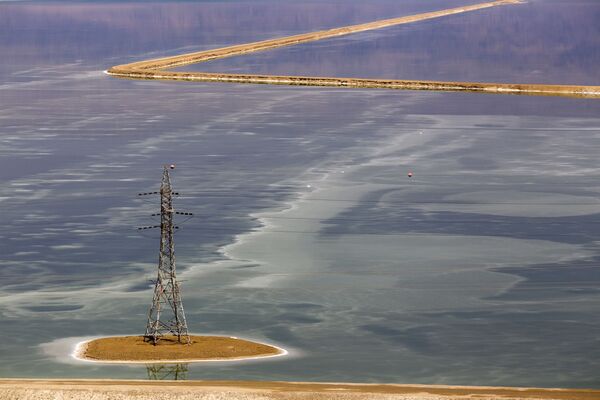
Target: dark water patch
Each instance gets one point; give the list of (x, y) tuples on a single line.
[(281, 334), (574, 230), (574, 279), (489, 125), (417, 339), (477, 163), (246, 266), (503, 332), (378, 213), (300, 306), (53, 308), (299, 318), (141, 286), (23, 288)]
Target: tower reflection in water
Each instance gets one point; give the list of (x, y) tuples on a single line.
[(168, 372)]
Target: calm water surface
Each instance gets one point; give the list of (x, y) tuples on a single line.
[(484, 268)]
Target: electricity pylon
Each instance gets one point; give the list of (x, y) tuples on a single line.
[(166, 315)]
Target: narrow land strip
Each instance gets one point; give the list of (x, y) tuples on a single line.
[(157, 68), (250, 390)]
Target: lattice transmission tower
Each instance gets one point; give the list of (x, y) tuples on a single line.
[(166, 315)]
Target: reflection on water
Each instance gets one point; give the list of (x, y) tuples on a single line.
[(167, 372), (481, 269)]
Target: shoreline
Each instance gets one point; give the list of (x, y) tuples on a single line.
[(79, 349), (157, 69), (141, 389)]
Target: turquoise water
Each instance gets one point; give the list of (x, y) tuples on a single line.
[(480, 269)]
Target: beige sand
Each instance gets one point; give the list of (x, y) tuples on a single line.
[(133, 349), (156, 68), (244, 390)]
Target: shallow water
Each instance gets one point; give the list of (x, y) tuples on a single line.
[(481, 269)]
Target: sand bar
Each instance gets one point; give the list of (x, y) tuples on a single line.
[(72, 389), (157, 68), (134, 350)]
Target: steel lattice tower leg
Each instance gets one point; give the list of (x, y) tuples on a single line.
[(166, 315)]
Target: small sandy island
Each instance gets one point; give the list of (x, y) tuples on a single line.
[(38, 389), (133, 349)]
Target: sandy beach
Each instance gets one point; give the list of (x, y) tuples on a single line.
[(29, 389)]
